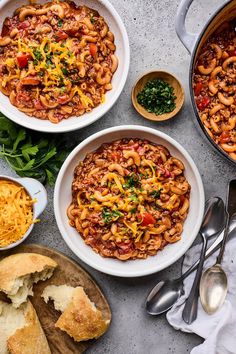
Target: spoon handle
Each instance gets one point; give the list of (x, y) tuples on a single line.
[(190, 309), (225, 238)]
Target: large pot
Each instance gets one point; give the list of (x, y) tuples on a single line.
[(193, 43)]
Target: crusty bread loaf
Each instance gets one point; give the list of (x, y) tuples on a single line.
[(80, 318), (18, 273), (20, 330)]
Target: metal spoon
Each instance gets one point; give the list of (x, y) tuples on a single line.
[(214, 283), (164, 295), (214, 221)]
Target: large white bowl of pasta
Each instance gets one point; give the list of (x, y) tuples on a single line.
[(62, 64), (129, 201)]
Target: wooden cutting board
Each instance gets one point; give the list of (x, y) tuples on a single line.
[(70, 273)]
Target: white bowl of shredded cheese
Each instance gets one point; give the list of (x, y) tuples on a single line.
[(139, 267), (22, 200)]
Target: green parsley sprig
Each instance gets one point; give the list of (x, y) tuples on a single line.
[(109, 215), (31, 154)]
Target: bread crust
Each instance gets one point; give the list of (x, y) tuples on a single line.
[(80, 320), (29, 339), (21, 264)]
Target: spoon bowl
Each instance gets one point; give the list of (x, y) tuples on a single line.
[(213, 288), (214, 285), (163, 296)]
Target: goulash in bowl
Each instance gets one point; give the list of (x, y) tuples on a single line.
[(129, 199), (56, 60)]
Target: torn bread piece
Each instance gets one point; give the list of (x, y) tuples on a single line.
[(20, 330), (80, 318), (20, 271)]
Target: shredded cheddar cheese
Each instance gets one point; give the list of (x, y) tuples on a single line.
[(16, 213)]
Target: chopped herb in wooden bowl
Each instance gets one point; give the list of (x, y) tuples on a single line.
[(157, 97)]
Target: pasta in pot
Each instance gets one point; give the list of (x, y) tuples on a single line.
[(129, 199), (56, 60), (214, 84)]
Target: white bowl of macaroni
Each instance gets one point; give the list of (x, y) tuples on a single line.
[(140, 215), (22, 201), (62, 64)]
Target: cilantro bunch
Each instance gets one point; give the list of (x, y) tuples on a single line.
[(31, 154)]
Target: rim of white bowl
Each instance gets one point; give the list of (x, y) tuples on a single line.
[(152, 269), (80, 122)]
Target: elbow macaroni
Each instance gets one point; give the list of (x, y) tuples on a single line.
[(215, 89), (129, 210), (63, 67)]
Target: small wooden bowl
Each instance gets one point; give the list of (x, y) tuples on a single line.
[(170, 79)]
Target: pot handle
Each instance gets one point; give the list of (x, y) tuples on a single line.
[(36, 191), (188, 39)]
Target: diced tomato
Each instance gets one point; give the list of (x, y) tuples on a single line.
[(224, 137), (23, 25), (63, 99), (232, 53), (30, 80), (38, 105), (198, 88), (23, 59), (93, 49), (203, 102), (147, 219), (60, 35)]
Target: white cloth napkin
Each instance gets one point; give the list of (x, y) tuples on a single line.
[(219, 329)]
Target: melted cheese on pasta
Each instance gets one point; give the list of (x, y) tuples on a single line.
[(16, 213)]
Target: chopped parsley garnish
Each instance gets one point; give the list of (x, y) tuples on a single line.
[(109, 215), (92, 19), (60, 23), (156, 194), (133, 197), (64, 71), (63, 89), (46, 48), (132, 181), (38, 55), (133, 211), (157, 97)]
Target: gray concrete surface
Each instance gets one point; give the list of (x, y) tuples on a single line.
[(154, 44)]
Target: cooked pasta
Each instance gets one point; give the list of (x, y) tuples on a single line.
[(16, 212), (129, 199), (214, 85), (56, 60)]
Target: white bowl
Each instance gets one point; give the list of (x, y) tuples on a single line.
[(7, 7), (36, 191), (134, 268)]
